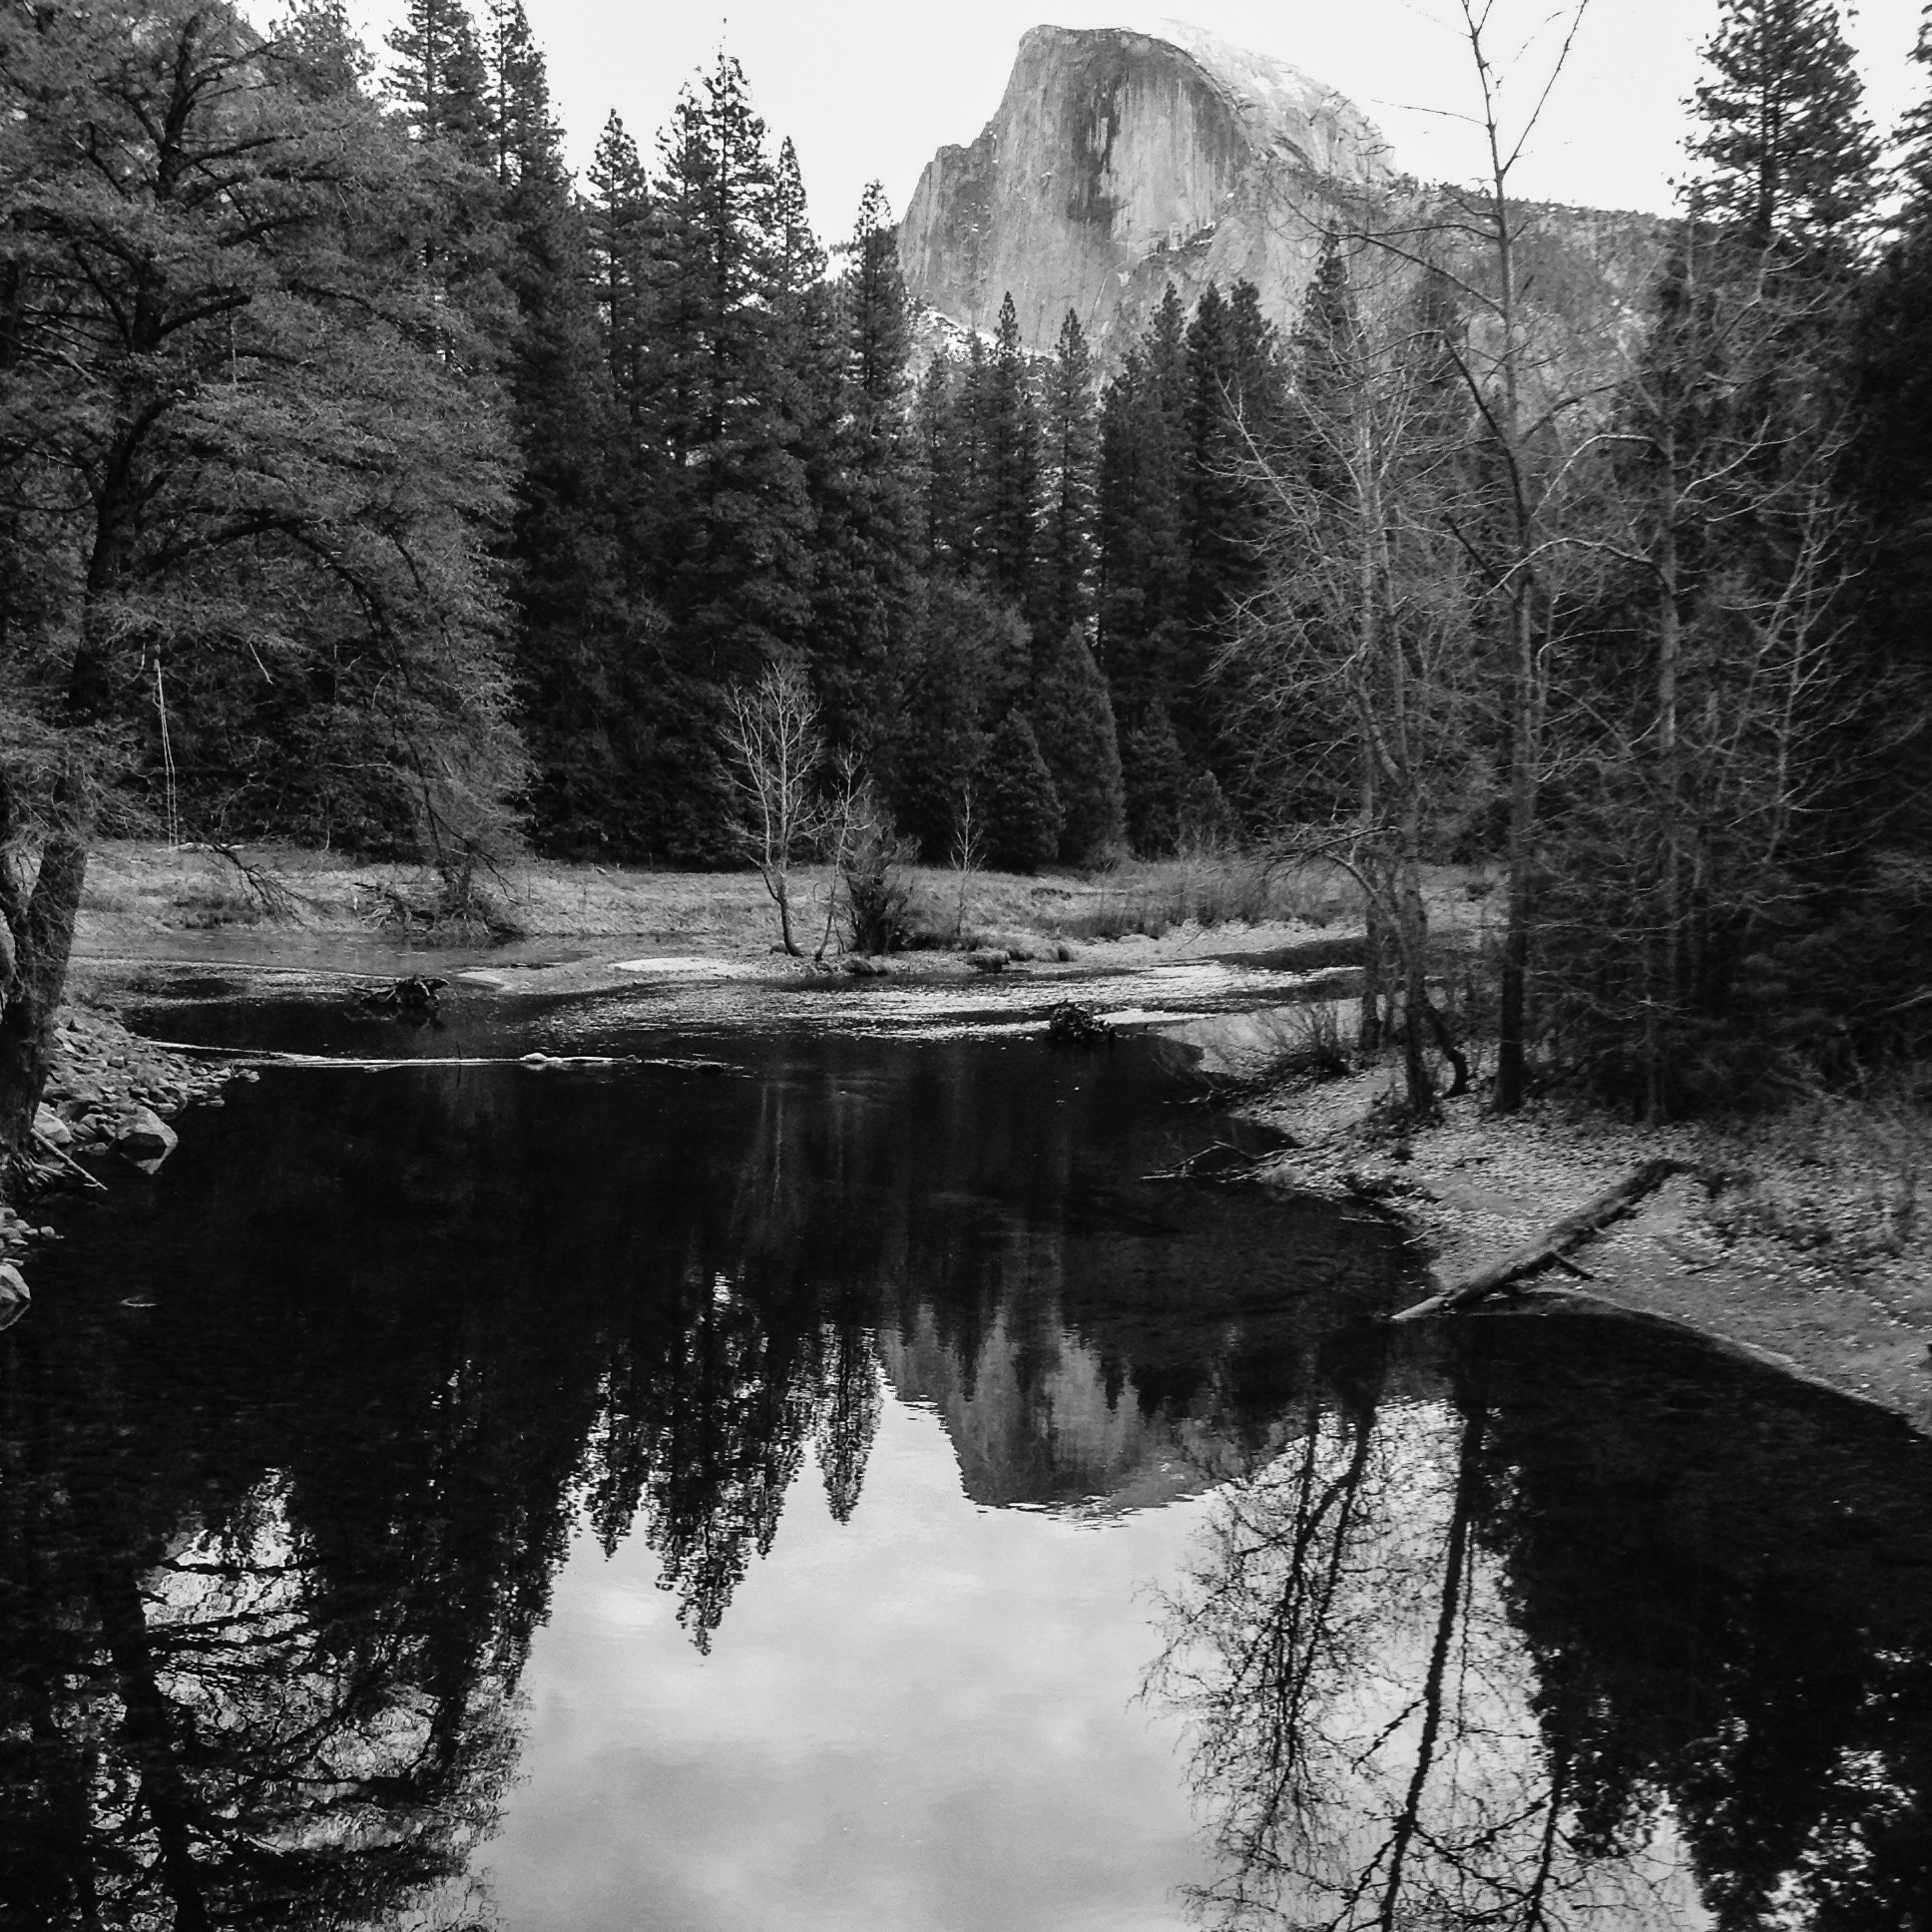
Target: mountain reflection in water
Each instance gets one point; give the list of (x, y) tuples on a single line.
[(1510, 1627)]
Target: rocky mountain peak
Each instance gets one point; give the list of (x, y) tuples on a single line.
[(1121, 161)]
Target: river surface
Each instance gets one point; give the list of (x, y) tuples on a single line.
[(842, 1491)]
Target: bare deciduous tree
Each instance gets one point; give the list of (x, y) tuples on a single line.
[(1362, 656), (772, 738)]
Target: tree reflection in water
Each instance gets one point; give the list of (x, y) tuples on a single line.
[(277, 1526), (1606, 1638)]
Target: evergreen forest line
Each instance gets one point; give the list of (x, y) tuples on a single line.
[(371, 481)]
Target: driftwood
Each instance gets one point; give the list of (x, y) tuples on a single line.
[(1222, 1161), (1550, 1248), (1072, 1025), (411, 998), (61, 1154)]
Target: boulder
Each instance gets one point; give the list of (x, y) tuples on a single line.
[(15, 1297), (52, 1130), (143, 1136)]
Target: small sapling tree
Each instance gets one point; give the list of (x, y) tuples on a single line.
[(969, 848), (773, 741)]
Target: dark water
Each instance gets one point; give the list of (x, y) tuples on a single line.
[(839, 1493)]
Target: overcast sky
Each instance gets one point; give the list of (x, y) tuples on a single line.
[(869, 88)]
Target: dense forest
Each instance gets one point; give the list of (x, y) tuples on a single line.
[(367, 479)]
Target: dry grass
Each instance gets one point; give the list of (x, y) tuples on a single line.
[(139, 889), (135, 887), (1153, 897)]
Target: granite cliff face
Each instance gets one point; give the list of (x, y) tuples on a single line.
[(1119, 162)]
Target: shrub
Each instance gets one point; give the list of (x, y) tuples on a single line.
[(873, 872)]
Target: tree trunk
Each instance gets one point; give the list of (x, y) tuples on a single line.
[(1411, 915), (149, 1728), (39, 933), (781, 894), (1667, 990), (1375, 935), (1513, 1026), (1435, 1690)]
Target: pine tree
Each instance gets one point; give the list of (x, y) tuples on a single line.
[(1156, 775), (440, 78), (1008, 424), (721, 390), (1325, 357), (939, 483), (1072, 720), (863, 490), (1143, 570), (580, 623), (971, 548), (965, 665), (443, 83), (1023, 817), (524, 138), (1062, 586), (618, 236), (733, 532), (1788, 152), (1234, 404)]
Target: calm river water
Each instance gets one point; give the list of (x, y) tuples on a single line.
[(839, 1493)]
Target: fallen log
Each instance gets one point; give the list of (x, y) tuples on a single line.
[(534, 1062), (1552, 1244)]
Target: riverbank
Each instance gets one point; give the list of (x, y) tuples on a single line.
[(1812, 1253)]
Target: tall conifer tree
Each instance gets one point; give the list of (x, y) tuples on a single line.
[(938, 482), (733, 517), (1788, 152), (1142, 556), (580, 623), (1064, 579), (1009, 460), (866, 538)]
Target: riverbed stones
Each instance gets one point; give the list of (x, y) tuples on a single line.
[(52, 1129)]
